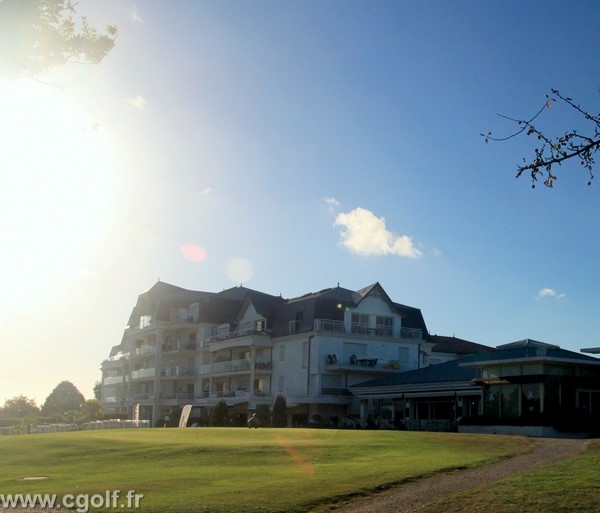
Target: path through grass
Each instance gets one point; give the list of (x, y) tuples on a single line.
[(569, 486)]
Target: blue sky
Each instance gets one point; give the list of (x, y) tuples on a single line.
[(291, 146)]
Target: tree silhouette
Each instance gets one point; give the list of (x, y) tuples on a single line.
[(280, 412), (20, 407), (38, 35), (554, 150), (64, 398), (220, 414)]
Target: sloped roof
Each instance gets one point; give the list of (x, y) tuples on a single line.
[(226, 306), (459, 346), (331, 303), (447, 372), (531, 350), (153, 301)]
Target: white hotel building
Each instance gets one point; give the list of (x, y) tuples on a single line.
[(247, 347)]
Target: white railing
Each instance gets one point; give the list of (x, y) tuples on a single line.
[(178, 346), (411, 333), (116, 380), (239, 394), (177, 371), (329, 326), (115, 424), (117, 357), (142, 373), (144, 350), (248, 328), (364, 362), (243, 365), (177, 395), (332, 326)]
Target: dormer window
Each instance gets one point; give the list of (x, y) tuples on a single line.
[(145, 321)]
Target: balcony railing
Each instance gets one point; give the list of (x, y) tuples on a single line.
[(339, 392), (177, 395), (117, 357), (142, 373), (139, 351), (116, 380), (333, 326), (247, 329), (177, 372), (368, 363), (178, 346), (243, 365), (239, 394)]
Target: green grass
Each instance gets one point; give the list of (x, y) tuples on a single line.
[(231, 470), (572, 485)]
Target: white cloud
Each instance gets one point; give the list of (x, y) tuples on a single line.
[(365, 234), (135, 16), (206, 191), (546, 292), (332, 203), (139, 102)]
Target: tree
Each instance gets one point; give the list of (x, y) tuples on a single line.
[(220, 414), (20, 407), (38, 35), (264, 414), (280, 412), (98, 391), (64, 398), (89, 411), (553, 150)]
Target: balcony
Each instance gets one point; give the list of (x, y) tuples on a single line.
[(368, 364), (143, 373), (332, 326), (178, 347), (144, 350), (116, 363), (234, 397), (115, 380), (244, 365), (247, 329), (178, 372), (179, 396)]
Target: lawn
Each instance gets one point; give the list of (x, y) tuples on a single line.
[(572, 485), (232, 470)]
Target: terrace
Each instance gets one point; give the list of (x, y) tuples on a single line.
[(367, 363), (243, 365), (333, 326)]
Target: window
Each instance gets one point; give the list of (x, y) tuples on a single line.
[(384, 326), (360, 323), (145, 321)]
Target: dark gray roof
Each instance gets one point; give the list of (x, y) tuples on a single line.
[(226, 306), (459, 346), (442, 373), (531, 350), (331, 304)]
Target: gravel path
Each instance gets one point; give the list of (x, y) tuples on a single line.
[(413, 495)]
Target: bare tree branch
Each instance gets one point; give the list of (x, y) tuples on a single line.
[(556, 149)]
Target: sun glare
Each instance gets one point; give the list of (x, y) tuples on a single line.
[(56, 181)]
